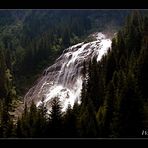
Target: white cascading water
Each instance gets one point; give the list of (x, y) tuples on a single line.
[(64, 79)]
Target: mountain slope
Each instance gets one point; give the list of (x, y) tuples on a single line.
[(35, 38), (64, 78)]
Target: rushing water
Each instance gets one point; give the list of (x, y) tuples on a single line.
[(64, 79)]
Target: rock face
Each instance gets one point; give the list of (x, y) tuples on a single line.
[(64, 79)]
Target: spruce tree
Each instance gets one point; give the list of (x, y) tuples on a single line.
[(55, 119), (69, 124)]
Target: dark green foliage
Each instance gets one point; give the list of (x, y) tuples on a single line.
[(32, 123), (105, 112), (69, 123), (3, 89), (130, 109), (6, 123), (33, 39), (42, 118), (114, 90), (120, 114), (93, 86), (87, 124), (127, 117), (18, 131), (7, 95), (56, 118), (110, 67), (142, 70)]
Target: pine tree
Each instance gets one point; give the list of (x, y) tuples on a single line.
[(105, 112), (19, 131), (87, 123), (92, 85), (32, 120), (24, 123), (142, 72), (41, 123), (69, 124), (5, 122), (55, 120), (128, 116)]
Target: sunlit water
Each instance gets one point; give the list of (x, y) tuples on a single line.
[(64, 79)]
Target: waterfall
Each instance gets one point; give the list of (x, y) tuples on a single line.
[(64, 78)]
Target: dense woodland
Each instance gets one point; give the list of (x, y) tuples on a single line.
[(32, 39), (114, 93)]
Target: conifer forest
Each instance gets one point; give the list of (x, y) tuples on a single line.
[(73, 73)]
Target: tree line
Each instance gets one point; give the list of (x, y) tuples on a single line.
[(113, 95)]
